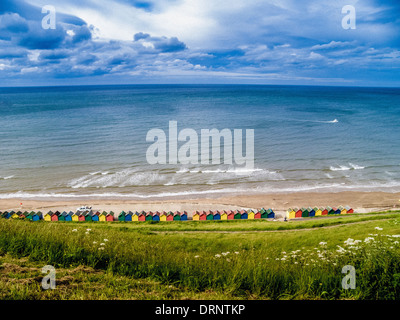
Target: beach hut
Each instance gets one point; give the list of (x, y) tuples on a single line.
[(55, 217), (149, 216), (231, 215), (224, 215), (141, 217), (203, 216), (163, 216), (349, 210), (75, 217), (67, 216), (15, 215), (264, 213), (184, 216), (243, 214), (47, 216), (311, 212), (177, 216), (88, 216), (210, 216), (216, 215), (318, 212), (250, 214), (271, 214), (81, 216), (337, 211), (324, 211), (196, 216), (62, 216), (128, 217), (135, 217), (6, 215), (237, 215), (304, 213), (290, 214), (170, 216), (330, 210), (103, 216), (121, 216), (110, 217), (156, 216), (299, 213), (95, 216), (257, 215)]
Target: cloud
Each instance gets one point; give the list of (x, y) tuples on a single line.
[(266, 40)]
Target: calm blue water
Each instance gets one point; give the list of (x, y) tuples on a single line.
[(91, 141)]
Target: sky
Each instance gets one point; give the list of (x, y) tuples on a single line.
[(284, 42)]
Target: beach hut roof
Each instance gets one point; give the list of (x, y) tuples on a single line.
[(71, 213)]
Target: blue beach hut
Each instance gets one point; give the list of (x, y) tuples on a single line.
[(217, 215), (184, 216), (244, 214)]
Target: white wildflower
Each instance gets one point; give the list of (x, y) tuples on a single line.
[(74, 230), (94, 242), (88, 229), (236, 252), (217, 255), (102, 244), (105, 240), (101, 248), (379, 229), (196, 257)]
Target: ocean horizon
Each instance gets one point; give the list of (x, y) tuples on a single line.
[(90, 141)]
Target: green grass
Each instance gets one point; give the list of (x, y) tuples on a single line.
[(215, 260)]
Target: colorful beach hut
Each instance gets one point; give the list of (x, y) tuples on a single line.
[(304, 213), (216, 215), (177, 216), (224, 215), (75, 217), (47, 216), (299, 213), (81, 216), (163, 216), (196, 216), (324, 211), (55, 216), (184, 216), (121, 216), (231, 215), (318, 212), (330, 210), (349, 210), (170, 216), (290, 214), (311, 212), (257, 215), (128, 217), (203, 216), (243, 214), (155, 216), (135, 217), (142, 217), (103, 216), (6, 215), (88, 216), (237, 215), (210, 216), (149, 216), (250, 214)]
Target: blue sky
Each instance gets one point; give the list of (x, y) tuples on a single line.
[(200, 41)]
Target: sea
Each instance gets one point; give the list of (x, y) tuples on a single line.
[(90, 141)]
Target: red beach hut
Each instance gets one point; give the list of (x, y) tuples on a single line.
[(299, 213), (203, 216), (231, 215), (257, 215)]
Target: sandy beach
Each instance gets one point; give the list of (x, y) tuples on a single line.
[(361, 202)]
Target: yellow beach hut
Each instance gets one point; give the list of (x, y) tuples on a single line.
[(163, 216), (135, 217), (102, 217), (224, 215), (75, 217), (196, 216), (342, 210), (318, 212), (250, 214), (290, 214), (47, 216)]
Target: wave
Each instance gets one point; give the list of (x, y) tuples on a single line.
[(9, 177), (346, 168), (333, 187)]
